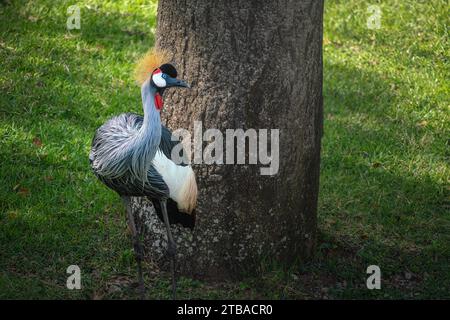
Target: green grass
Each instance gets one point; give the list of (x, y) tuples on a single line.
[(384, 195)]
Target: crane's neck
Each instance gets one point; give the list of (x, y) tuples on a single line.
[(152, 117), (149, 136)]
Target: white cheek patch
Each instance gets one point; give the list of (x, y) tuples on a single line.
[(159, 80)]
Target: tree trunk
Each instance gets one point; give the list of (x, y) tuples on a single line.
[(251, 64)]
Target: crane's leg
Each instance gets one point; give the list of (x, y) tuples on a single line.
[(172, 248), (136, 244)]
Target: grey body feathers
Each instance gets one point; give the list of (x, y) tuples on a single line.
[(118, 157)]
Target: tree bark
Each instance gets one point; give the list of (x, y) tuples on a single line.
[(251, 64)]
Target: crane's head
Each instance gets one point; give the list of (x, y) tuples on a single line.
[(165, 77), (153, 70)]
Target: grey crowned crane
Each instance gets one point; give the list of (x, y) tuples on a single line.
[(131, 155)]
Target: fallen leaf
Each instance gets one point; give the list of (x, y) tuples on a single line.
[(422, 124), (37, 142), (69, 36), (12, 215), (376, 164), (23, 192)]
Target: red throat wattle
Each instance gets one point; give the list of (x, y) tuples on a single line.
[(158, 101)]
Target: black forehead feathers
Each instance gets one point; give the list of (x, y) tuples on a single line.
[(169, 69)]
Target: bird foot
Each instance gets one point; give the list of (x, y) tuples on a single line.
[(141, 291), (138, 288)]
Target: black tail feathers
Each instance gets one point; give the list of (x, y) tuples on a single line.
[(175, 216)]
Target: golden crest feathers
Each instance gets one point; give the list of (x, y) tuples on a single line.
[(149, 62)]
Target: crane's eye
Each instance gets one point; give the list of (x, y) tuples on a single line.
[(164, 76), (159, 79)]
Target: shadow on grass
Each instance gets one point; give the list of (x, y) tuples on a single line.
[(371, 199)]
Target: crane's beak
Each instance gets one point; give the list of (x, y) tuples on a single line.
[(173, 82)]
